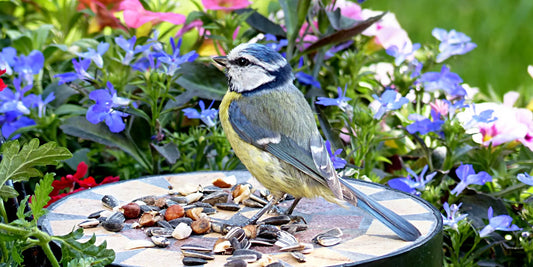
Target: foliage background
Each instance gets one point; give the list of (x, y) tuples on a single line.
[(501, 29)]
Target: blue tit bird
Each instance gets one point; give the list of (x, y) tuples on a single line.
[(273, 131)]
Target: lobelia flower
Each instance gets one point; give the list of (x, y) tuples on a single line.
[(468, 176), (208, 116), (305, 78), (415, 67), (96, 55), (72, 183), (2, 84), (130, 48), (443, 80), (452, 217), (452, 43), (135, 15), (273, 42), (413, 183), (389, 100), (12, 121), (27, 66), (500, 222), (104, 109), (525, 178), (37, 101), (403, 53), (80, 72), (424, 125), (7, 59), (16, 102), (338, 163), (172, 62), (225, 4), (341, 101)]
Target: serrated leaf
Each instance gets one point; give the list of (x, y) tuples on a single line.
[(41, 197), (21, 210), (169, 151), (8, 192), (345, 34), (18, 164), (72, 249), (80, 127), (262, 24), (205, 81)]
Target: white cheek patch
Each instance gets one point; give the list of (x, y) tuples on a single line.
[(248, 78)]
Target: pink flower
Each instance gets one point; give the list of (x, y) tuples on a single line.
[(440, 106), (387, 31), (135, 15), (225, 4)]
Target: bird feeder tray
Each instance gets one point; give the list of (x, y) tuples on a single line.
[(365, 240)]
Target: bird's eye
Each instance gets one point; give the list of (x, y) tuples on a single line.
[(242, 62)]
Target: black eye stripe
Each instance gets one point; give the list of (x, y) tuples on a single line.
[(241, 61)]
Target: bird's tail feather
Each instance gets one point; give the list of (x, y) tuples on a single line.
[(404, 229)]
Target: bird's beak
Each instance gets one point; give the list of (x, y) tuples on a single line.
[(222, 60)]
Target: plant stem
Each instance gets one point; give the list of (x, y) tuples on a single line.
[(3, 212)]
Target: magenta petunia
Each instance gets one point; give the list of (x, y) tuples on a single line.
[(225, 4)]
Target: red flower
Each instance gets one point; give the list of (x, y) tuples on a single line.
[(2, 84), (67, 185)]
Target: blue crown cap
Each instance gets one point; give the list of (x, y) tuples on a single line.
[(263, 53)]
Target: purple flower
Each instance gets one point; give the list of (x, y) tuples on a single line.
[(452, 43), (96, 55), (7, 59), (104, 109), (341, 101), (424, 125), (525, 178), (452, 217), (389, 100), (274, 44), (443, 80), (80, 68), (12, 121), (208, 116), (305, 78), (338, 163), (500, 222), (27, 66), (331, 52), (172, 62), (403, 53), (412, 182), (129, 47), (468, 176)]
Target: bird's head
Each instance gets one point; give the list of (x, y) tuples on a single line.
[(253, 66)]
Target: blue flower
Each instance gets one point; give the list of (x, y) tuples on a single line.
[(452, 218), (412, 182), (27, 66), (400, 55), (305, 78), (452, 43), (415, 67), (331, 52), (96, 55), (424, 125), (37, 101), (172, 62), (274, 44), (208, 116), (104, 109), (16, 102), (7, 59), (338, 163), (468, 176), (129, 47), (443, 80), (12, 121), (389, 100), (341, 101), (80, 68), (500, 222), (525, 178)]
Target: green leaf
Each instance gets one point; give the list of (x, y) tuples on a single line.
[(261, 23), (80, 127), (77, 157), (345, 34), (338, 21), (18, 164), (169, 151), (8, 192), (70, 109), (41, 197), (205, 81), (21, 211), (72, 249)]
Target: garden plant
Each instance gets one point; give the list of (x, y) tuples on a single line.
[(120, 89)]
